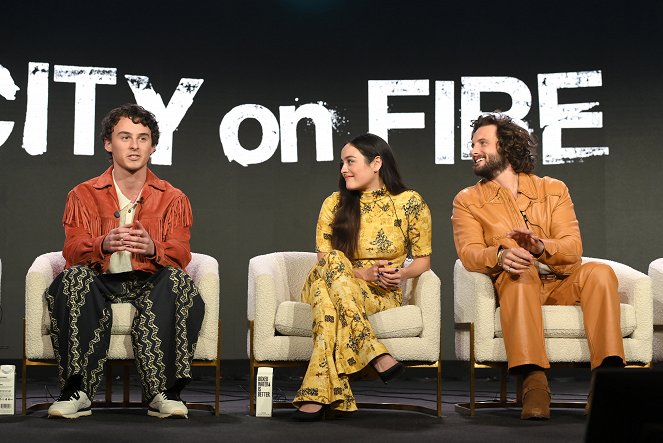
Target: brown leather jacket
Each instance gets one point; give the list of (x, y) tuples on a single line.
[(484, 213), (165, 212)]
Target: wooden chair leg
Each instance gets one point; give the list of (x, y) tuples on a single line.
[(252, 387), (24, 387), (109, 384), (126, 394), (217, 391), (252, 369), (439, 388), (504, 377)]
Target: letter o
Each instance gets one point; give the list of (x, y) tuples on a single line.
[(229, 134)]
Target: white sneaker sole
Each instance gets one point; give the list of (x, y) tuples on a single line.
[(174, 414), (81, 413)]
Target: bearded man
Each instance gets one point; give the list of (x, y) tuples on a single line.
[(522, 231)]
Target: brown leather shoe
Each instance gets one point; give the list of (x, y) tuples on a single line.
[(536, 397)]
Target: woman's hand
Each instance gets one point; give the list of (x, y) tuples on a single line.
[(372, 273), (390, 277)]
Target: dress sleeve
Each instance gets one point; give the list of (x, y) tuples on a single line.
[(420, 229), (323, 231)]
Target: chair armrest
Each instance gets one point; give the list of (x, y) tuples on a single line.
[(426, 294), (635, 290), (474, 301), (39, 277), (204, 271), (267, 285), (656, 275)]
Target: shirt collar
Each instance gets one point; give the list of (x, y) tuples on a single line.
[(106, 179), (525, 187)]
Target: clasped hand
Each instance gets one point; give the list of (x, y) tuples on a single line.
[(131, 237), (384, 274), (517, 260)]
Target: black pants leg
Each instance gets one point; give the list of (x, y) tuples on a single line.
[(164, 331), (81, 317)]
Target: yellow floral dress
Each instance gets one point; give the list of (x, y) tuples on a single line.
[(343, 339)]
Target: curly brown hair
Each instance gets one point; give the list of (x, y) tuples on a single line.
[(136, 113), (513, 141)]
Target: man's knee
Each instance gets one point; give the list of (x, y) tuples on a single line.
[(526, 286), (599, 273), (77, 272)]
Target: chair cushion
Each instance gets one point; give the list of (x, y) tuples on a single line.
[(295, 318), (567, 322)]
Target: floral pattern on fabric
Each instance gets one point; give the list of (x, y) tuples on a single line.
[(343, 340)]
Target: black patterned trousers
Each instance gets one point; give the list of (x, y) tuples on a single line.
[(164, 331)]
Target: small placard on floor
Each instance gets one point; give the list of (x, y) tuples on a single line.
[(7, 389), (264, 392)]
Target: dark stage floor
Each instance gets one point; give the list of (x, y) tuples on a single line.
[(416, 386)]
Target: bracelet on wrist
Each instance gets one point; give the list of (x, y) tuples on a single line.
[(499, 256)]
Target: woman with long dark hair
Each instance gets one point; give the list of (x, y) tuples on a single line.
[(371, 236)]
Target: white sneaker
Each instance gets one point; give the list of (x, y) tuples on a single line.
[(166, 404), (70, 404)]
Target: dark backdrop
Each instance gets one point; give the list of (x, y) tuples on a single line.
[(288, 53)]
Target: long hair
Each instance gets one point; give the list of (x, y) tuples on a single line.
[(514, 141), (346, 223)]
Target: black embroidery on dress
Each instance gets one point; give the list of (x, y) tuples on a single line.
[(305, 392), (382, 242), (379, 193), (413, 207)]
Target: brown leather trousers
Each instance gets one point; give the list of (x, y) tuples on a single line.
[(593, 286)]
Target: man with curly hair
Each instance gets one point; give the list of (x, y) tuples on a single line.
[(126, 241), (522, 231)]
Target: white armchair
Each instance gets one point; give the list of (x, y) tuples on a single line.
[(656, 275), (280, 324), (479, 338), (38, 349)]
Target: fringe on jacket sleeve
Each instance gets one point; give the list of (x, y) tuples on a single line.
[(179, 214), (77, 215)]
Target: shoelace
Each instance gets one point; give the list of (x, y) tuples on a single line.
[(68, 394), (170, 395)]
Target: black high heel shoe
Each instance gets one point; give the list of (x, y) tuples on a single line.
[(310, 416), (392, 373)]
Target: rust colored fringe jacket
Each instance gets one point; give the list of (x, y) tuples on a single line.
[(165, 212)]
